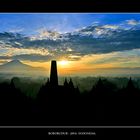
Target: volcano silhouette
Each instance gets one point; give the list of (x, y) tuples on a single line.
[(16, 66)]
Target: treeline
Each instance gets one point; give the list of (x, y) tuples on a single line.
[(30, 86), (104, 104)]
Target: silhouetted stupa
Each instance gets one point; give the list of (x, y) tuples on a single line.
[(53, 74)]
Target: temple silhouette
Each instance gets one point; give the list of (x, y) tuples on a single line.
[(53, 74), (55, 104), (52, 86)]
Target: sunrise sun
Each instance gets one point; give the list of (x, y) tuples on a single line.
[(63, 63)]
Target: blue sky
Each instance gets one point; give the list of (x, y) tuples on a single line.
[(31, 23), (113, 43)]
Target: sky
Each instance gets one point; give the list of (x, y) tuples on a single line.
[(30, 23), (82, 43)]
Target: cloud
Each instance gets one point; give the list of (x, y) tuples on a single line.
[(94, 39), (95, 23), (44, 58), (111, 26), (47, 34), (37, 55), (33, 57), (99, 31), (127, 58), (17, 30), (10, 51), (30, 57), (132, 22), (5, 57)]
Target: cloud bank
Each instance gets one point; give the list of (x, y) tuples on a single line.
[(93, 39)]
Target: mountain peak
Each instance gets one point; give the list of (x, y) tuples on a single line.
[(15, 66), (15, 61)]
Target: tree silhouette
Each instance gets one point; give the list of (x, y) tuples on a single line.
[(105, 104), (66, 83), (71, 84)]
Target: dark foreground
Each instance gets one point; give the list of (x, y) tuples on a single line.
[(65, 105)]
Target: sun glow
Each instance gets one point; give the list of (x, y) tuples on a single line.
[(63, 62)]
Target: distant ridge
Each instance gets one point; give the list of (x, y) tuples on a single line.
[(16, 66)]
